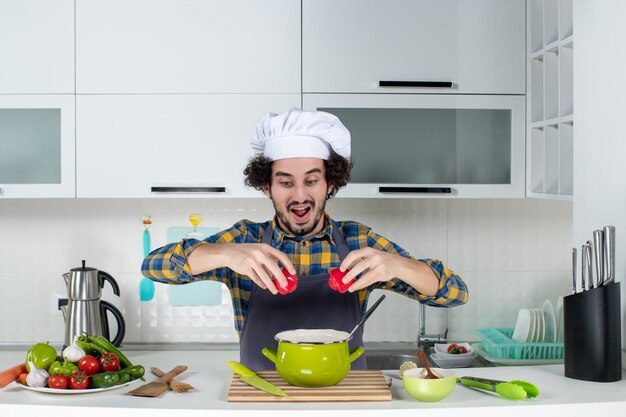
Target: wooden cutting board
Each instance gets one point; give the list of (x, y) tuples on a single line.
[(357, 386)]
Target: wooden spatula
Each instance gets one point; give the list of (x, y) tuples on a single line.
[(158, 387)]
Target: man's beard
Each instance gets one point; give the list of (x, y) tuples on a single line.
[(302, 231)]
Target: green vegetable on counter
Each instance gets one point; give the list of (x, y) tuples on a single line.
[(104, 380), (124, 377), (110, 347), (64, 368), (88, 347), (135, 371), (41, 355)]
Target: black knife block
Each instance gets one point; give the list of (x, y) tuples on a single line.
[(592, 334)]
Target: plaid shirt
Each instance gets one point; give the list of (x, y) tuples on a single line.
[(310, 255)]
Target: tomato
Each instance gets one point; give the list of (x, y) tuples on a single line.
[(79, 380), (58, 381), (452, 346), (89, 364), (292, 283), (109, 362), (456, 349), (335, 281)]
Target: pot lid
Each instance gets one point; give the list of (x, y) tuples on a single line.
[(83, 268), (312, 336)]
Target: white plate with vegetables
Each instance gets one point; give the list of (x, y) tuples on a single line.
[(67, 391)]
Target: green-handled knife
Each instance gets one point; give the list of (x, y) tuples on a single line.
[(249, 377)]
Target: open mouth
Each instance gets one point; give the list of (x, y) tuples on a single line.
[(301, 214)]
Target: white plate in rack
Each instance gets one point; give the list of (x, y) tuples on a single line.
[(540, 323), (523, 331), (550, 320), (559, 319)]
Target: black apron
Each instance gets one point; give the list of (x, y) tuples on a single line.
[(313, 305)]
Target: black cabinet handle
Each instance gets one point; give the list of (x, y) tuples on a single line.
[(430, 84), (422, 190), (188, 189)]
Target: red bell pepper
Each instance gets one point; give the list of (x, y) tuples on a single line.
[(292, 283), (335, 281)]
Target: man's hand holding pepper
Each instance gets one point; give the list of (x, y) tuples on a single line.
[(255, 260), (378, 266)]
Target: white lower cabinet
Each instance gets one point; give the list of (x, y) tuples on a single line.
[(150, 146), (37, 146)]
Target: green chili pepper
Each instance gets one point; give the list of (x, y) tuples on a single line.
[(90, 348), (110, 347)]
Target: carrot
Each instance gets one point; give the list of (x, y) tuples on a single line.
[(22, 378), (9, 375)]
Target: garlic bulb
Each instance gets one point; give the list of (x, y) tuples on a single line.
[(37, 378), (73, 352)]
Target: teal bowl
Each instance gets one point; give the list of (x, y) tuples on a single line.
[(428, 390)]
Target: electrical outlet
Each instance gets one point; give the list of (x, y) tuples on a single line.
[(54, 305)]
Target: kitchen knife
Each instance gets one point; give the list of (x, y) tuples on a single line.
[(583, 268), (598, 256), (573, 270), (609, 253), (588, 254), (249, 377)]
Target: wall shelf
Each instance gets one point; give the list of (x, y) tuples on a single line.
[(550, 100)]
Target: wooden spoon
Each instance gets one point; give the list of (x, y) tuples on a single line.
[(429, 373)]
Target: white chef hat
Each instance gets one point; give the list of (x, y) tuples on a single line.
[(300, 133)]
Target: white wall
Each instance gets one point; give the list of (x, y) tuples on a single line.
[(599, 131), (511, 253)]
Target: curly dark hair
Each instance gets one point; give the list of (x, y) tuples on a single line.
[(258, 172)]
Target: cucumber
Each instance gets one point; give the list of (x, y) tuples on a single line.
[(104, 379)]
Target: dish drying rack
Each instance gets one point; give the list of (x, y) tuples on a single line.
[(498, 343)]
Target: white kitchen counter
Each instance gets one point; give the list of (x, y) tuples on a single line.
[(211, 377)]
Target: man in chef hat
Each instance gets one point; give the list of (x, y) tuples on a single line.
[(301, 159)]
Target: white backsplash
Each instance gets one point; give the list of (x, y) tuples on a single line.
[(511, 253)]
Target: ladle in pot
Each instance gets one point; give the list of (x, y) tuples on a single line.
[(366, 316)]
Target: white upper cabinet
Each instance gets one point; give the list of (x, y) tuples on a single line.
[(37, 146), (350, 46), (36, 46), (431, 145), (190, 46), (169, 145)]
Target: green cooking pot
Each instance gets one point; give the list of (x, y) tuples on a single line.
[(313, 357)]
